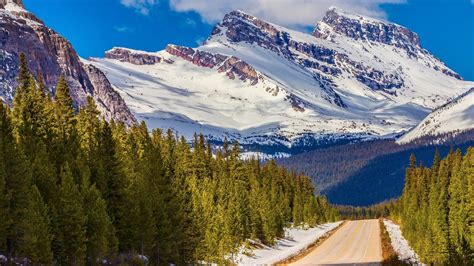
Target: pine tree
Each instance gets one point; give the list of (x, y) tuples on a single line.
[(100, 233), (36, 241), (110, 179), (458, 214), (66, 143), (4, 202), (468, 173), (17, 179), (70, 233), (141, 228), (23, 75)]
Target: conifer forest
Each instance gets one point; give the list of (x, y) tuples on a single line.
[(436, 210), (76, 189)]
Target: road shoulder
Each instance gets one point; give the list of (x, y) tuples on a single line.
[(311, 247)]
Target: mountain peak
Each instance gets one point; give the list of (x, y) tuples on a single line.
[(358, 27), (336, 11), (240, 26), (12, 5)]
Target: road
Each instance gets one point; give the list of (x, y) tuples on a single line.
[(356, 242)]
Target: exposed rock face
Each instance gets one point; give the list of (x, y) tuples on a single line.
[(108, 101), (49, 55), (233, 66), (241, 27), (133, 57), (372, 30)]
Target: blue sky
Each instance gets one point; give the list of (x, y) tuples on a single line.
[(446, 27)]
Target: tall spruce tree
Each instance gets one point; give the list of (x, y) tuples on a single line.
[(70, 233), (100, 235), (4, 198), (66, 142), (36, 241)]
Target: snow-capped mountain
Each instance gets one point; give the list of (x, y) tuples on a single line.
[(456, 115), (51, 55), (257, 82)]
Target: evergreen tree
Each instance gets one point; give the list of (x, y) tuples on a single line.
[(100, 233), (436, 209), (66, 143), (70, 233), (36, 241), (110, 179), (17, 179), (4, 203)]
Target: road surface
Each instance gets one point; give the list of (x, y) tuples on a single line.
[(356, 242)]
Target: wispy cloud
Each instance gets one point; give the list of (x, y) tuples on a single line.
[(124, 29), (289, 13), (188, 22), (142, 6)]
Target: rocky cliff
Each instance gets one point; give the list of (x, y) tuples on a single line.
[(50, 55)]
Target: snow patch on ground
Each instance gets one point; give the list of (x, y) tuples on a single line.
[(400, 244), (296, 240)]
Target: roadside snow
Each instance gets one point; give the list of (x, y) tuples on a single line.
[(400, 244), (296, 240)]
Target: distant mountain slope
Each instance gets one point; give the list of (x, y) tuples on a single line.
[(369, 172), (456, 115), (354, 77), (51, 55)]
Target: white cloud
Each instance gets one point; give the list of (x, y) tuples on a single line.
[(290, 13), (142, 6)]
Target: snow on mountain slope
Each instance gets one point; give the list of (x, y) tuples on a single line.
[(353, 77), (457, 115)]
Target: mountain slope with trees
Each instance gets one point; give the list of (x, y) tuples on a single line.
[(369, 172), (75, 189)]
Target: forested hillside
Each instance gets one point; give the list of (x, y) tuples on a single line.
[(369, 172), (76, 189), (436, 210)]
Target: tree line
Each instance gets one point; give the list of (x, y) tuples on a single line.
[(76, 189), (375, 211), (436, 210)]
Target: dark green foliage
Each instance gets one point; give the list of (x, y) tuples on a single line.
[(75, 189), (36, 241), (371, 212), (435, 210), (70, 231)]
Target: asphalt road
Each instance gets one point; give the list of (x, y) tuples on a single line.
[(355, 243)]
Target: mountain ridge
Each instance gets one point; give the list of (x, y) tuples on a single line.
[(319, 85)]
